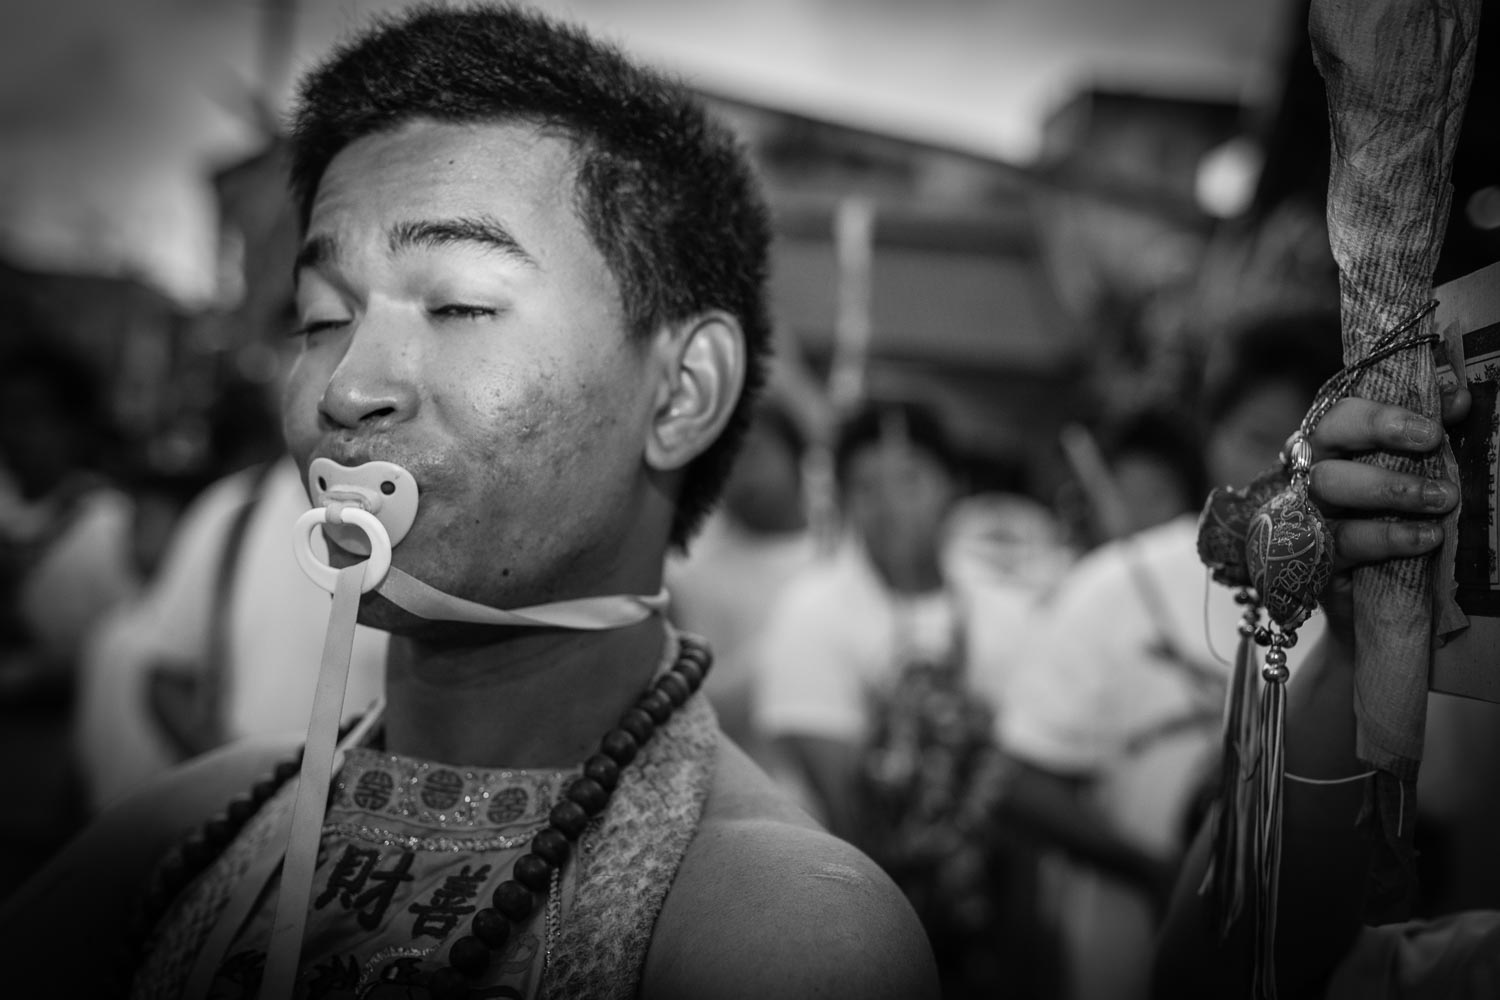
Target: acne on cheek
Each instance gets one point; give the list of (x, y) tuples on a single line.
[(539, 427), (520, 447), (571, 418)]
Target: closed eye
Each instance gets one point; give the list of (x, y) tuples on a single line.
[(463, 312), (318, 326)]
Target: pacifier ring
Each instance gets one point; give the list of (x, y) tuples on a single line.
[(326, 576)]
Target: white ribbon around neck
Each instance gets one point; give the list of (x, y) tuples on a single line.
[(582, 613), (359, 496), (380, 499)]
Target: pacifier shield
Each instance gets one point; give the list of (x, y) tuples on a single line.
[(384, 489)]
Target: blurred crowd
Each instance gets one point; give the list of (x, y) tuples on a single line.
[(1013, 703)]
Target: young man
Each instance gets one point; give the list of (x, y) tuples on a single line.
[(531, 276)]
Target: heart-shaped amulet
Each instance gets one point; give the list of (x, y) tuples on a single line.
[(1289, 555), (1224, 525)]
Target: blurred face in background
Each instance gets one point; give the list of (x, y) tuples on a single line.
[(1248, 438), (1152, 491), (896, 498)]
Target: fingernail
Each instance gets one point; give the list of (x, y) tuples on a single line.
[(1419, 430), (1435, 494), (1428, 534)]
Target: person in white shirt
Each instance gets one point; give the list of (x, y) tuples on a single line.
[(750, 548), (216, 648), (881, 669), (66, 555)]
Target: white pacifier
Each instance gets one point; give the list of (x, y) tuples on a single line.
[(365, 509)]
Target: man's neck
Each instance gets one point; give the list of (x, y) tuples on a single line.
[(531, 698)]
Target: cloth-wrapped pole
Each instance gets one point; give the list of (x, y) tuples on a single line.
[(1397, 74)]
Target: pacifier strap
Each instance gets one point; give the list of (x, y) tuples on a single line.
[(251, 885), (584, 613), (312, 789)]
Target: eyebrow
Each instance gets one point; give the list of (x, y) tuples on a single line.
[(482, 231), (317, 251)]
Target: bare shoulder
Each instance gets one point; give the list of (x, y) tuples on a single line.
[(767, 903), (101, 873)]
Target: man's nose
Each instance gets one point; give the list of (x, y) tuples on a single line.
[(375, 380)]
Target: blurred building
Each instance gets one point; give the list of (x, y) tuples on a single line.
[(908, 269)]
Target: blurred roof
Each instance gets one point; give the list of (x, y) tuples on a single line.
[(112, 114)]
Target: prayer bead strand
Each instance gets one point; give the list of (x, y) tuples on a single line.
[(533, 874)]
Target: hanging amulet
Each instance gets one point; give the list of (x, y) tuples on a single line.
[(1289, 548), (1224, 525)]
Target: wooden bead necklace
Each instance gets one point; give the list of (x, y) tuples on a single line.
[(514, 901)]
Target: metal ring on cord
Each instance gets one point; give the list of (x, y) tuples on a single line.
[(324, 575)]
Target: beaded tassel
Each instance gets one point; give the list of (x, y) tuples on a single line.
[(1223, 530), (1268, 817), (1271, 542), (1240, 758)]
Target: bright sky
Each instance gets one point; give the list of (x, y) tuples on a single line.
[(111, 111)]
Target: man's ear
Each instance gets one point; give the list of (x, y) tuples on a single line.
[(703, 368)]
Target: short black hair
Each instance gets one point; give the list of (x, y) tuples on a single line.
[(872, 420), (665, 192), (1302, 348)]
